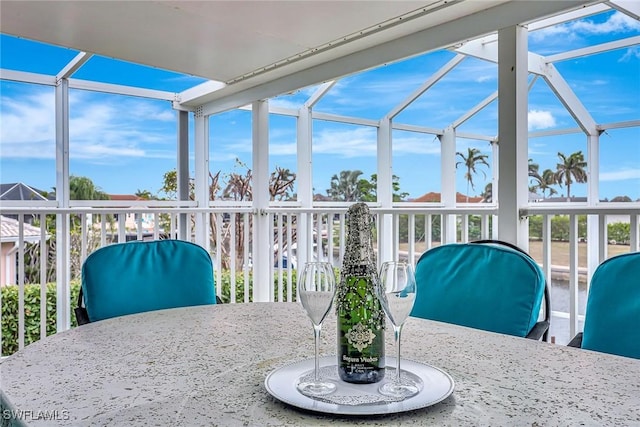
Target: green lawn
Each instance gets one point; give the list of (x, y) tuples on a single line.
[(559, 251)]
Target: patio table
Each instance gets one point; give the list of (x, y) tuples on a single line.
[(203, 366)]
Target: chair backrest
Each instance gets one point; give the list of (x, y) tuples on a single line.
[(135, 277), (484, 286), (612, 315)]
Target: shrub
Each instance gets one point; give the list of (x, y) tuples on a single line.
[(226, 286), (31, 313), (32, 307)]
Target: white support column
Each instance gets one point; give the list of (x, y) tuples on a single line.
[(593, 197), (63, 244), (512, 135), (495, 183), (304, 178), (385, 190), (201, 184), (573, 276), (182, 171), (448, 186), (262, 253)]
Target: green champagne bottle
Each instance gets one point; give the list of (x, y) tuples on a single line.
[(361, 319)]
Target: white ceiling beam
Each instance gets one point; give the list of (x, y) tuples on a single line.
[(592, 50), (122, 90), (564, 93), (417, 129), (556, 20), (569, 16), (482, 104), (273, 109), (628, 7), (200, 90), (472, 112), (436, 37), (319, 93), (554, 132), (476, 136), (344, 119), (24, 77), (620, 125), (73, 65), (433, 79)]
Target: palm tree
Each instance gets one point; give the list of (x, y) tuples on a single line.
[(345, 186), (547, 180), (570, 168), (533, 171), (471, 161)]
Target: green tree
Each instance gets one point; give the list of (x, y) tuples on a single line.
[(547, 182), (619, 231), (369, 189), (145, 194), (621, 199), (471, 161), (344, 187), (487, 194), (82, 188), (571, 168), (534, 171)]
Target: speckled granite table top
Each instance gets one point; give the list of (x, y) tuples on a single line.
[(205, 366)]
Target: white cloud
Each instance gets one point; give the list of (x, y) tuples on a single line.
[(631, 53), (283, 149), (358, 142), (620, 175), (616, 23), (541, 119), (102, 128), (285, 103), (428, 144)]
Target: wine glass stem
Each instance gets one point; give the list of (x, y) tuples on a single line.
[(316, 334), (396, 332)]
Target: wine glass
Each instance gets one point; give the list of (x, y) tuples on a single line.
[(397, 293), (317, 287)]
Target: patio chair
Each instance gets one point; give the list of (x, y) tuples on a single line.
[(612, 315), (488, 284), (135, 277)]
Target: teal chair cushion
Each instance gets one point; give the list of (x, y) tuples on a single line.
[(135, 277), (612, 316), (482, 286)]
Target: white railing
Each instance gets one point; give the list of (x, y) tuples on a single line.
[(296, 235), (597, 246)]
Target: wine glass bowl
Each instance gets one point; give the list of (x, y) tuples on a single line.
[(397, 294), (317, 288)]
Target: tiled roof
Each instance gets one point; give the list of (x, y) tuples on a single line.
[(435, 197), (124, 197), (9, 229)]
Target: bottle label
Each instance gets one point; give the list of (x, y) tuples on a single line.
[(360, 336)]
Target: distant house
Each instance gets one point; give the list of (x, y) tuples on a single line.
[(20, 191), (561, 199), (433, 197), (131, 222), (9, 236)]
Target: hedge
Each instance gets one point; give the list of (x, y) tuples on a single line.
[(9, 317), (31, 313)]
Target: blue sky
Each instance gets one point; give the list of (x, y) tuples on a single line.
[(126, 144)]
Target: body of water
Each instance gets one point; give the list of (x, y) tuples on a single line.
[(560, 302)]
